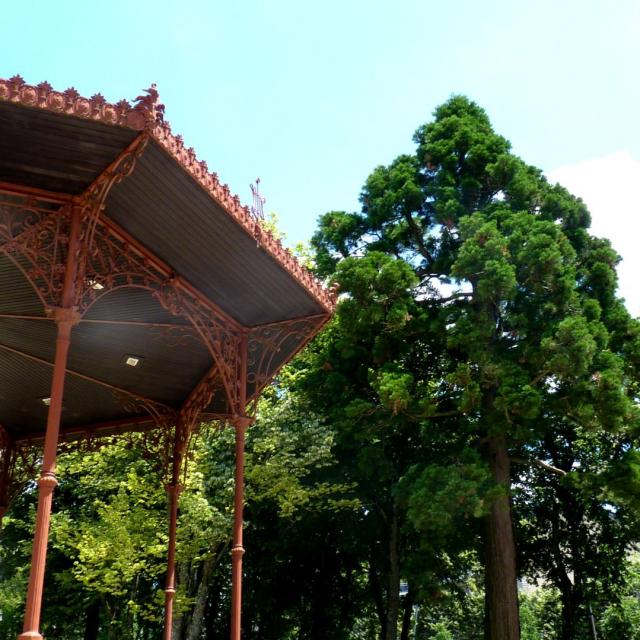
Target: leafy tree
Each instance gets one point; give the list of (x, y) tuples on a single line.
[(504, 302), (621, 619), (575, 526)]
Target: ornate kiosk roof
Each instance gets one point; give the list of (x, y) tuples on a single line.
[(174, 276)]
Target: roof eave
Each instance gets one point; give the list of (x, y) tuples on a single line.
[(147, 114)]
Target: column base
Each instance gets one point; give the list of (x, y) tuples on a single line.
[(30, 635)]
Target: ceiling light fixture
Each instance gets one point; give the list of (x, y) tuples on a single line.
[(132, 361), (95, 285)]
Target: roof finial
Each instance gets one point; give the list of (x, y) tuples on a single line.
[(149, 105), (257, 210)]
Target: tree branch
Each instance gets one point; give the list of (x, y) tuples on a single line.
[(455, 296), (419, 238), (540, 464)]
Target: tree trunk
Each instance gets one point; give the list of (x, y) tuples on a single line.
[(194, 630), (92, 622), (183, 577), (406, 618), (502, 617), (376, 591), (568, 617), (393, 595)]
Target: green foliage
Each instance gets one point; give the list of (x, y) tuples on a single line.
[(500, 323), (621, 619), (540, 613)]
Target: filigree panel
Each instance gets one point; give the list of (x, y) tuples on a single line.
[(200, 398), (34, 233), (266, 345), (19, 465)]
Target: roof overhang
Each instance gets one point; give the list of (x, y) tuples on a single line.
[(164, 218)]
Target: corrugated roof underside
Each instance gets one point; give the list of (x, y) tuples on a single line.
[(174, 360), (17, 296), (23, 384), (164, 208), (54, 151), (167, 373)]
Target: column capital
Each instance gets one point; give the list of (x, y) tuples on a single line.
[(48, 481), (64, 315)]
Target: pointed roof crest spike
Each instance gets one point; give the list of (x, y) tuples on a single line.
[(257, 210)]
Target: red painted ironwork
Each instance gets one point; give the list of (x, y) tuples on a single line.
[(66, 318), (173, 493), (73, 255), (119, 262), (34, 234), (18, 466), (257, 210), (148, 115), (266, 343), (94, 198), (12, 189), (106, 262), (241, 423), (42, 96), (182, 432)]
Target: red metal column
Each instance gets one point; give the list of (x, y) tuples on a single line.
[(240, 424), (66, 318), (47, 482), (173, 492)]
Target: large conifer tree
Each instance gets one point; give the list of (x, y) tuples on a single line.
[(485, 303)]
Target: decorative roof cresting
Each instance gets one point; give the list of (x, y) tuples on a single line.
[(147, 114)]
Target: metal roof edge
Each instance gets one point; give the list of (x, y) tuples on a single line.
[(147, 114)]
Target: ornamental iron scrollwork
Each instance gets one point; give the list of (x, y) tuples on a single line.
[(162, 416), (200, 398), (34, 235), (174, 336), (95, 196), (266, 344), (115, 263), (19, 465), (147, 115)]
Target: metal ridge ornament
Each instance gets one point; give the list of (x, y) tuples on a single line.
[(70, 102), (147, 114)]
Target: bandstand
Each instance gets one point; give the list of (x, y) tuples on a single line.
[(136, 294)]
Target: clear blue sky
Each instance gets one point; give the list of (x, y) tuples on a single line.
[(310, 96)]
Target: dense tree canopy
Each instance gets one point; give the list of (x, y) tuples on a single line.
[(482, 300)]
